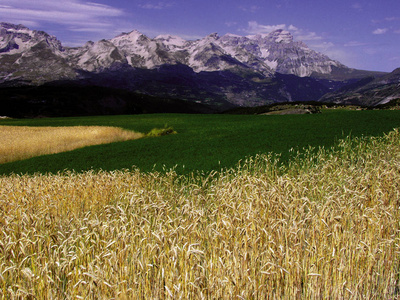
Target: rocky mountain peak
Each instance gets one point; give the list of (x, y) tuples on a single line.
[(281, 36), (231, 35), (18, 38), (130, 39), (212, 36), (171, 41), (8, 27)]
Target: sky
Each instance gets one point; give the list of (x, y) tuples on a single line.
[(361, 34)]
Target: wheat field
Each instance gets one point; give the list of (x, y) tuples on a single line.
[(324, 227), (21, 142)]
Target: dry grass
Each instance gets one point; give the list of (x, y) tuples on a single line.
[(20, 142), (326, 227)]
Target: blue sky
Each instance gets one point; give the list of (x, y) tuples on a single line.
[(361, 34)]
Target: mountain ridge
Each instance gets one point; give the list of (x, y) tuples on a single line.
[(266, 53), (223, 71)]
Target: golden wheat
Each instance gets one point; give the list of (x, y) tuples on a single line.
[(325, 227), (20, 142)]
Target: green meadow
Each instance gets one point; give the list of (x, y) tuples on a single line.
[(203, 142)]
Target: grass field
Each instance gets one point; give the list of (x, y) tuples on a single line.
[(325, 226), (203, 142)]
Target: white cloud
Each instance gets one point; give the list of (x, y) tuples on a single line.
[(255, 28), (357, 6), (371, 51), (30, 23), (307, 36), (293, 28), (380, 31), (69, 12), (335, 52), (354, 44), (230, 24), (299, 34), (385, 20), (159, 5), (324, 46), (251, 9)]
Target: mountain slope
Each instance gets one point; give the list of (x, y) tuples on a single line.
[(369, 91), (31, 55)]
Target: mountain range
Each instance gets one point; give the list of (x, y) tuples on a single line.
[(219, 71)]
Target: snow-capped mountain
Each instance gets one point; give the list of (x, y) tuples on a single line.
[(17, 39), (240, 70), (270, 53), (96, 57), (172, 42), (267, 54), (277, 52), (139, 50), (30, 55)]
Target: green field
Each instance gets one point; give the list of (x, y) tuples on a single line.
[(203, 142)]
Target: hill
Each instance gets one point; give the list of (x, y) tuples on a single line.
[(369, 91)]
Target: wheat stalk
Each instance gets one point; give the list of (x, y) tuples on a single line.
[(327, 226)]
